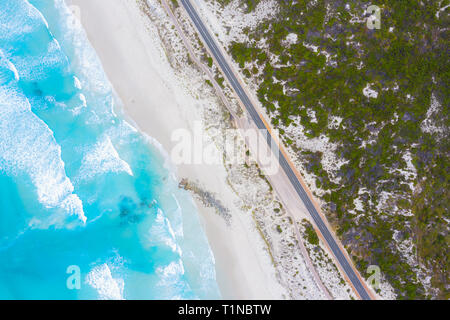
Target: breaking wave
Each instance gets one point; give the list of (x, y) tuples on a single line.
[(79, 186)]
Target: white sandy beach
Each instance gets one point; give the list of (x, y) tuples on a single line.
[(158, 103)]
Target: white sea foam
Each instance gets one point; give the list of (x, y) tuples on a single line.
[(170, 275), (30, 153), (161, 233), (84, 59), (8, 71), (101, 279), (29, 24), (27, 147), (101, 158), (77, 83), (37, 68), (28, 20)]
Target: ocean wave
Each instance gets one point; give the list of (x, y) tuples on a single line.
[(28, 148), (107, 287), (8, 72), (171, 276), (84, 181), (102, 158)]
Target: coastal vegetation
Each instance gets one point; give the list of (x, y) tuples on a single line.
[(380, 96), (310, 233)]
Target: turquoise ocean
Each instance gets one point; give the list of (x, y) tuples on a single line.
[(90, 207)]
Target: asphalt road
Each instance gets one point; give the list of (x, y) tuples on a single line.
[(339, 255)]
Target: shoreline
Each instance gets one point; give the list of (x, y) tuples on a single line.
[(138, 69)]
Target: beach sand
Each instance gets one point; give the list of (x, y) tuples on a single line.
[(135, 62)]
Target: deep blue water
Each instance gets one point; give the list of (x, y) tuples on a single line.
[(79, 185)]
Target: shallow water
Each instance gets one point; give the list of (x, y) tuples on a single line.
[(80, 186)]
